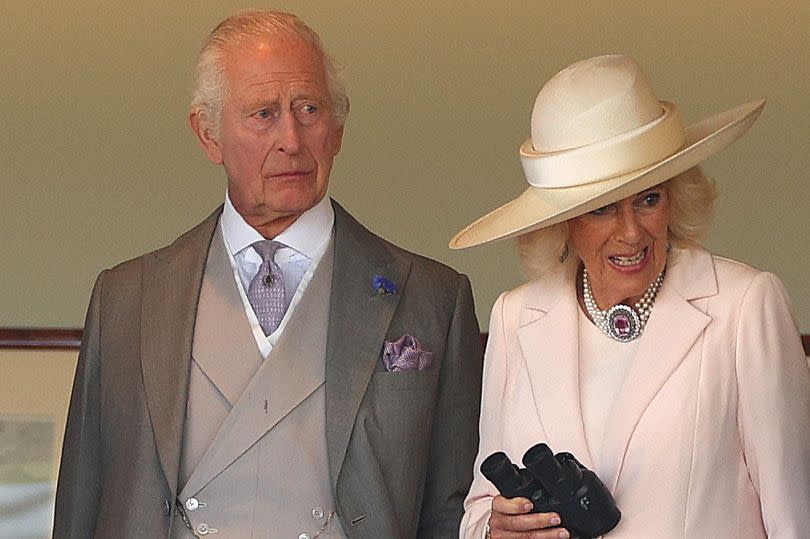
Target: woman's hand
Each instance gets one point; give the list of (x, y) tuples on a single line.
[(511, 519)]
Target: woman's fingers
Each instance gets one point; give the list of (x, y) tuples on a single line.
[(511, 519), (511, 506), (550, 533)]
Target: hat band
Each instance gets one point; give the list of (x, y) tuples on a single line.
[(615, 156)]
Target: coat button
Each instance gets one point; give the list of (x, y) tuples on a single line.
[(317, 513), (304, 536), (192, 504), (203, 529), (167, 508)]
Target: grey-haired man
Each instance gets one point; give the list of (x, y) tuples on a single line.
[(279, 370)]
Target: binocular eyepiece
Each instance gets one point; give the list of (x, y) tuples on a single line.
[(556, 483)]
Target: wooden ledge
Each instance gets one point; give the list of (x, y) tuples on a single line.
[(70, 339), (40, 338)]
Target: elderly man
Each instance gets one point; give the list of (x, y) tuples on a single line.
[(277, 371)]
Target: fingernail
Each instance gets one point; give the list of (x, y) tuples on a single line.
[(528, 506), (564, 534), (554, 521)]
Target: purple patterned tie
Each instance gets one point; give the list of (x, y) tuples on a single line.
[(266, 290)]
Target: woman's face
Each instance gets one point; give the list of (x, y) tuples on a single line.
[(623, 245)]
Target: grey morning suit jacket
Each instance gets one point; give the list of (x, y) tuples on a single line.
[(400, 445)]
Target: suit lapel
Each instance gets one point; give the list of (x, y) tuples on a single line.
[(170, 288), (358, 323), (222, 329), (548, 340), (673, 328)]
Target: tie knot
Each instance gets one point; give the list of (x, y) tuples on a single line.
[(267, 249)]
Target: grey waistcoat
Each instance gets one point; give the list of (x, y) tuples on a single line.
[(254, 461)]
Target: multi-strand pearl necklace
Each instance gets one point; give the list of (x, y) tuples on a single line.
[(621, 322)]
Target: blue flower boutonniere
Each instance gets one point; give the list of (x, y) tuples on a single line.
[(383, 286)]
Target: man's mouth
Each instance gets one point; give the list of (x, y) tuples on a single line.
[(289, 174), (627, 261)]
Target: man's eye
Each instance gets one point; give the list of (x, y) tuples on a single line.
[(308, 114), (264, 114)]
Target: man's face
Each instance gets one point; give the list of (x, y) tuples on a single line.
[(278, 134)]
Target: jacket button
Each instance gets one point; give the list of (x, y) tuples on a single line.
[(192, 504), (203, 528), (167, 508), (317, 513), (304, 536)]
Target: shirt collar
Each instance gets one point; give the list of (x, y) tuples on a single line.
[(307, 234)]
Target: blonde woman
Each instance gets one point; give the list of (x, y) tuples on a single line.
[(677, 376)]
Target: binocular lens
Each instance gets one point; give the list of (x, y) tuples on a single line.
[(501, 472), (540, 461)]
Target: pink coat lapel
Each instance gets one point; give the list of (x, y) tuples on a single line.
[(549, 342), (675, 324), (674, 327)]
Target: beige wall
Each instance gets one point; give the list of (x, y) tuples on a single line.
[(34, 394), (36, 384), (98, 164)]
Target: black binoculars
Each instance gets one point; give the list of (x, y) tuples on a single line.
[(556, 483)]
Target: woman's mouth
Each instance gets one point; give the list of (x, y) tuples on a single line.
[(629, 261)]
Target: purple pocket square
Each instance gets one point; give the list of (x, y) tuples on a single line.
[(406, 354)]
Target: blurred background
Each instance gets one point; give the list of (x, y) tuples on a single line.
[(100, 166)]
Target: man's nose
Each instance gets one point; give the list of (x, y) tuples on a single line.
[(288, 133)]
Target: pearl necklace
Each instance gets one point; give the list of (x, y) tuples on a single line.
[(621, 322)]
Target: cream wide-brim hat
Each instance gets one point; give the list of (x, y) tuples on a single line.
[(598, 135)]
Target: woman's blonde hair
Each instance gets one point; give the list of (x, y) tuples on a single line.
[(691, 197)]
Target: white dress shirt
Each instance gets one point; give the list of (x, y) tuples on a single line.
[(304, 244)]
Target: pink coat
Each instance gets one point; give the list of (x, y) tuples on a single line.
[(709, 436)]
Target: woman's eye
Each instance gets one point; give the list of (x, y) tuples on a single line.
[(648, 201), (604, 210)]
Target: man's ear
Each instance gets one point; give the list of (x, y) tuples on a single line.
[(337, 139), (337, 134), (203, 128)]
